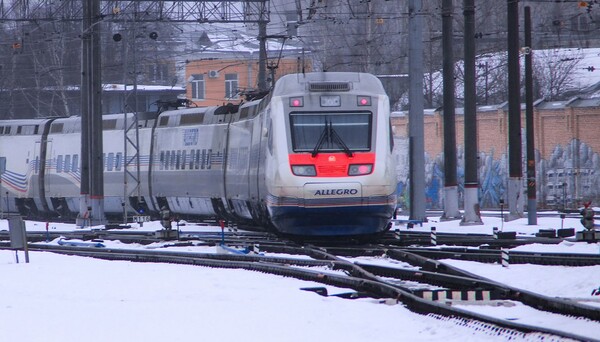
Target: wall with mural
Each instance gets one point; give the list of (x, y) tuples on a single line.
[(567, 157)]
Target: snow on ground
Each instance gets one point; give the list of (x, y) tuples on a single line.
[(66, 298)]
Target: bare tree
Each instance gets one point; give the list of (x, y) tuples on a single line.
[(554, 71)]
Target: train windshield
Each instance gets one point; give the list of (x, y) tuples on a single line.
[(331, 132)]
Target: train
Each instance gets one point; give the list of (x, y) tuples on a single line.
[(313, 157)]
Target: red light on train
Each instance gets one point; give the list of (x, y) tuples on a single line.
[(296, 102), (364, 100)]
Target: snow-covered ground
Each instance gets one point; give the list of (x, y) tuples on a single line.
[(66, 298)]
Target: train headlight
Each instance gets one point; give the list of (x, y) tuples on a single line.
[(304, 170), (360, 169)]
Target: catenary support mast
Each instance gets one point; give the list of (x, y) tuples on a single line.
[(415, 111), (450, 182), (472, 215)]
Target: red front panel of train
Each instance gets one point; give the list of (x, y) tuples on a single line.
[(334, 164)]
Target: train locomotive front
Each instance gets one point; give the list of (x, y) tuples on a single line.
[(330, 170)]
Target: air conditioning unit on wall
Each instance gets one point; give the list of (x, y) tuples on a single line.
[(213, 74)]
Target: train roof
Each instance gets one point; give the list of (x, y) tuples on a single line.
[(328, 81)]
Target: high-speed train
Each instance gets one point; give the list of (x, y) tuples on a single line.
[(312, 158)]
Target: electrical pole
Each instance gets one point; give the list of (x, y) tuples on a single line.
[(531, 186), (515, 198), (91, 208), (450, 183), (415, 111), (472, 214)]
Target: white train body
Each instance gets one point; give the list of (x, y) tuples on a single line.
[(312, 158)]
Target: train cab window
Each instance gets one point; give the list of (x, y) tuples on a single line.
[(331, 132), (67, 165), (75, 163), (59, 164)]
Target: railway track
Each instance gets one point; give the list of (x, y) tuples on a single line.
[(421, 283)]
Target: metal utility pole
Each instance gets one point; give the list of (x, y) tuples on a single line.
[(415, 111), (472, 215), (531, 184), (91, 203), (515, 198), (262, 56), (450, 183), (131, 140)]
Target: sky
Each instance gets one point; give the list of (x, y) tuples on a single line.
[(68, 298)]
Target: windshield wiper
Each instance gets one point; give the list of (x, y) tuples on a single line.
[(322, 138), (336, 137)]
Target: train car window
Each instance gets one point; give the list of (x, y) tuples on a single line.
[(183, 159), (2, 165), (178, 160), (59, 164), (209, 159), (192, 157), (118, 161), (36, 129), (167, 160), (244, 113), (110, 162), (198, 160), (330, 132), (191, 119), (270, 137), (173, 160), (56, 127), (67, 165), (7, 130), (19, 129), (1, 129), (164, 121), (162, 160), (391, 133), (75, 163), (109, 124)]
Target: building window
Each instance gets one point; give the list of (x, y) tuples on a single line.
[(158, 72), (198, 89), (231, 86)]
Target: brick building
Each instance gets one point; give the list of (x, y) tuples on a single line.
[(216, 81)]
